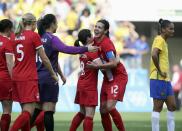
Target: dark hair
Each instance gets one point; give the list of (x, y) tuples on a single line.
[(5, 24), (86, 10), (45, 23), (106, 25), (82, 37), (163, 24)]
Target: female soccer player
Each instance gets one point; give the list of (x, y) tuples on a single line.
[(115, 77), (52, 45), (6, 66), (86, 95), (27, 43), (160, 86)]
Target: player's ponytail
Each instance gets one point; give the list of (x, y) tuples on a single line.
[(40, 27), (19, 28), (27, 19), (45, 23), (162, 25), (77, 43)]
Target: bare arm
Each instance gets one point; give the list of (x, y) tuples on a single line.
[(10, 63), (155, 58), (61, 74), (47, 63)]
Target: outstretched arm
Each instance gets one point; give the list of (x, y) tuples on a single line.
[(61, 47)]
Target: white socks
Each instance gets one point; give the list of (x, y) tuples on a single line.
[(170, 121), (155, 121)]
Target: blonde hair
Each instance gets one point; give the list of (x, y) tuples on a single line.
[(26, 19)]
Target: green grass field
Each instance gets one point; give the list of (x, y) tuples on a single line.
[(133, 121)]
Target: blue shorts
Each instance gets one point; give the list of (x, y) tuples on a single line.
[(48, 91), (160, 89)]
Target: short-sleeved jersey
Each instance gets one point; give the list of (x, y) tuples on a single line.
[(88, 77), (6, 47), (25, 48), (161, 44), (107, 45)]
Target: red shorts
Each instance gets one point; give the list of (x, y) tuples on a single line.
[(26, 91), (6, 90), (113, 90), (87, 98)]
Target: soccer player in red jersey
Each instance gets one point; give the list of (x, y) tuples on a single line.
[(25, 91), (86, 95), (115, 77), (6, 66)]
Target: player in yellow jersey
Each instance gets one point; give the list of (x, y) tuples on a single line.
[(160, 85)]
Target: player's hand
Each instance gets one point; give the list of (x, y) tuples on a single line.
[(63, 79), (163, 74), (91, 65), (117, 59), (93, 48)]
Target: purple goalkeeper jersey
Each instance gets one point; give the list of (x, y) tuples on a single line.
[(52, 46)]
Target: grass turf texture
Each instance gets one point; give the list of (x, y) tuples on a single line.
[(132, 121)]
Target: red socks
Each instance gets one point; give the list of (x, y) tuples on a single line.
[(88, 124), (5, 122), (106, 122), (78, 118), (117, 119), (22, 122), (39, 122)]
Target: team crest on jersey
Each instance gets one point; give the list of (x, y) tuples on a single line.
[(1, 43)]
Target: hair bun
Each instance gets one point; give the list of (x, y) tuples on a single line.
[(161, 20)]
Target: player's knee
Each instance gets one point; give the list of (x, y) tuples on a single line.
[(157, 108), (110, 107), (172, 107)]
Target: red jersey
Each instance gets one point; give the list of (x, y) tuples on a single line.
[(107, 45), (6, 47), (88, 77), (25, 56)]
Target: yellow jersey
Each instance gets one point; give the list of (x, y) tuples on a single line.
[(161, 44)]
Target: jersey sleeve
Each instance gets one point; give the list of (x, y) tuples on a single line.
[(9, 47), (108, 46), (61, 47), (158, 43), (37, 41)]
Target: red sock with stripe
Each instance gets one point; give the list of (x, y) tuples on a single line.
[(117, 119), (5, 122), (78, 118), (88, 124), (22, 122), (106, 121)]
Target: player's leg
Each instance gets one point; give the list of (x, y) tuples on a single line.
[(77, 119), (111, 104), (23, 120), (27, 92), (37, 118), (171, 106), (88, 121), (49, 109), (105, 117), (155, 117), (6, 115)]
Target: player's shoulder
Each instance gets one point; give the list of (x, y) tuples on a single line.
[(159, 38)]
